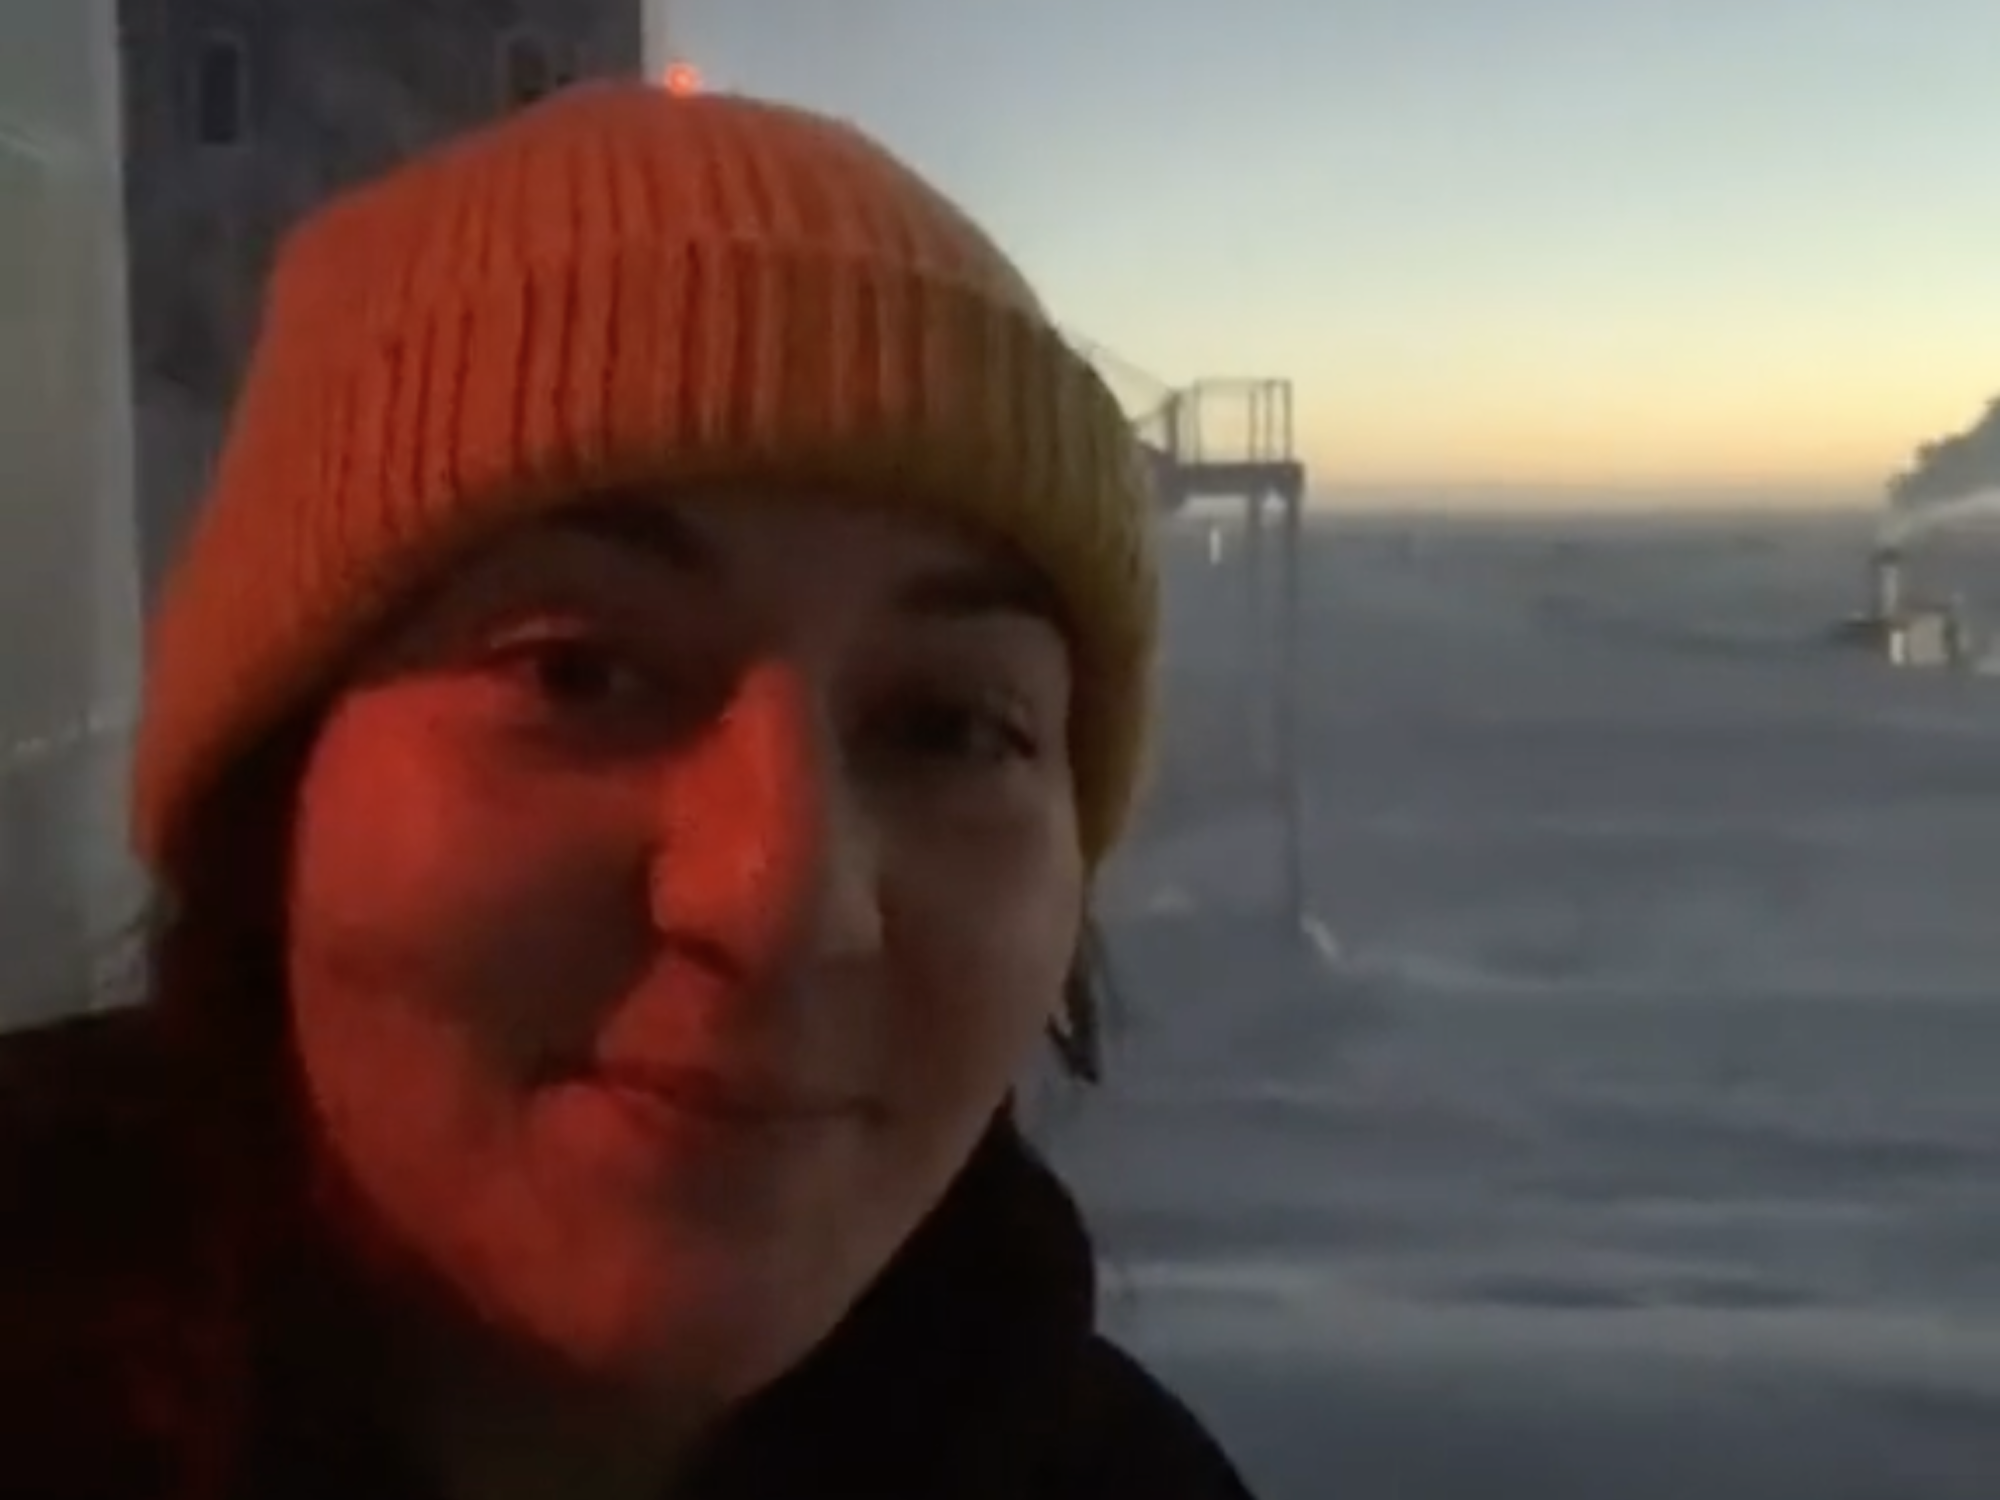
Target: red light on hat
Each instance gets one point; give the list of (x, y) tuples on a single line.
[(683, 80)]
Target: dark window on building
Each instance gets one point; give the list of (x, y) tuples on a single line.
[(222, 92), (527, 71)]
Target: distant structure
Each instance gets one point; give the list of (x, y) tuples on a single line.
[(1231, 441), (240, 115), (1903, 632)]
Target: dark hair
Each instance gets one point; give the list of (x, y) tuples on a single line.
[(215, 955), (1088, 1006)]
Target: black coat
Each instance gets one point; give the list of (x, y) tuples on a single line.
[(164, 1336)]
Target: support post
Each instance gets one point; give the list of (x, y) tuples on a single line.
[(1291, 776), (1256, 675)]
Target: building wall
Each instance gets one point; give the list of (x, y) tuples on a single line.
[(242, 114), (68, 608)]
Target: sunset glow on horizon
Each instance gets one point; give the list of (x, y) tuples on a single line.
[(1541, 243)]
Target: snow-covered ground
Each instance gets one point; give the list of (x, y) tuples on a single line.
[(1645, 1141)]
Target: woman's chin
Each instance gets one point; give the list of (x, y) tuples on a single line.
[(709, 1312)]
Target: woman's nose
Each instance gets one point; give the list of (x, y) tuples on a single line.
[(765, 853)]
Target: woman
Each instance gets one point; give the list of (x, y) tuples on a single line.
[(627, 745)]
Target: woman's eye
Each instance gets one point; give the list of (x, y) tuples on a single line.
[(577, 676), (964, 734), (578, 673)]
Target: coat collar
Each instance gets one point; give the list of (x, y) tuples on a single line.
[(952, 1375)]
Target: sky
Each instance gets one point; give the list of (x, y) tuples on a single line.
[(1587, 247)]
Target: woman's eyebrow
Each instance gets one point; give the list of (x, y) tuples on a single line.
[(962, 591), (651, 529)]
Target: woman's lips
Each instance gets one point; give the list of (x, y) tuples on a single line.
[(723, 1099)]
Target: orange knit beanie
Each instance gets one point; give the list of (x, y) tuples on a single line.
[(624, 289)]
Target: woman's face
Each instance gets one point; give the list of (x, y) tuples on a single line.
[(674, 897)]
